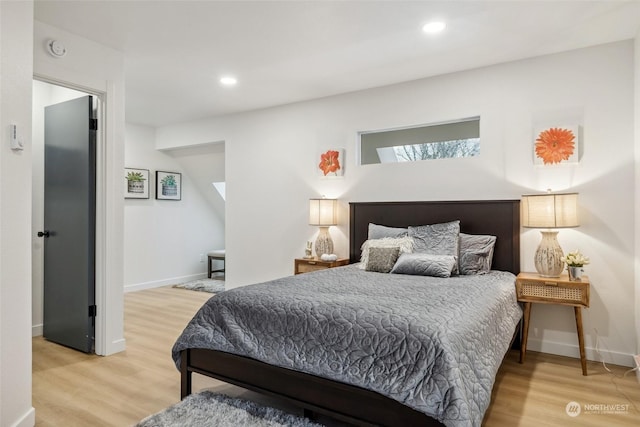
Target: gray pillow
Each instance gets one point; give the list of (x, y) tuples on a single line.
[(382, 260), (476, 253), (404, 243), (437, 239), (421, 264), (381, 231)]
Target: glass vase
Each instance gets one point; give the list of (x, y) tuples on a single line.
[(575, 273)]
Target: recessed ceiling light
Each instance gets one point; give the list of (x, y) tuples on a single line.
[(434, 27), (228, 80)]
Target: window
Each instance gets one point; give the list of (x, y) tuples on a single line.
[(221, 187), (460, 138)]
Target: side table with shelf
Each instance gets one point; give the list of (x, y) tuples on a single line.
[(532, 288), (305, 265)]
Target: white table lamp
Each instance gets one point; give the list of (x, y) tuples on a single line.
[(323, 213), (549, 211)]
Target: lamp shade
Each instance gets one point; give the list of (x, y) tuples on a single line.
[(550, 210), (323, 212)]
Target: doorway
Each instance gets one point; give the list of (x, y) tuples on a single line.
[(64, 214)]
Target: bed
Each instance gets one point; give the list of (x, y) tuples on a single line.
[(348, 387)]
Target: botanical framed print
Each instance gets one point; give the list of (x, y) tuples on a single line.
[(555, 145), (136, 183), (330, 163), (168, 185)]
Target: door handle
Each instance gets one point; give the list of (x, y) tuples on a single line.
[(44, 233)]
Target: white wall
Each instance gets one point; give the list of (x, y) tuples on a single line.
[(205, 165), (636, 190), (97, 69), (16, 69), (271, 157), (164, 240)]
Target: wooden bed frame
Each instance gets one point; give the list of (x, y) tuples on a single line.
[(341, 401)]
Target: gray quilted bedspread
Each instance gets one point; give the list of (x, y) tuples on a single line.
[(430, 343)]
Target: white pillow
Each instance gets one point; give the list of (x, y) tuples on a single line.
[(404, 244)]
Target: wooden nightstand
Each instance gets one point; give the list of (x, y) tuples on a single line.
[(530, 288), (304, 265)]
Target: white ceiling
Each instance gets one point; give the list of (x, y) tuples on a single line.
[(288, 51)]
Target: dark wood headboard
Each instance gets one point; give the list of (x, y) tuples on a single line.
[(500, 218)]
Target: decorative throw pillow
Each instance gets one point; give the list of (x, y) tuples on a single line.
[(437, 239), (381, 231), (382, 260), (404, 243), (421, 264), (476, 253)]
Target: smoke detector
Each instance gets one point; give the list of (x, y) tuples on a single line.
[(56, 48)]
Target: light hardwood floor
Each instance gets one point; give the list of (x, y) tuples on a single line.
[(74, 389)]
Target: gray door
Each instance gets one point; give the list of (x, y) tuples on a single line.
[(69, 224)]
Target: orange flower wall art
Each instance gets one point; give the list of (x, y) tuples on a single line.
[(555, 145), (330, 163)]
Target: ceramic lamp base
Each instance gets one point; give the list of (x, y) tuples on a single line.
[(548, 258), (324, 244)]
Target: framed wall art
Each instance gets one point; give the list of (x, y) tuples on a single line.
[(330, 163), (136, 183), (556, 145), (168, 185)]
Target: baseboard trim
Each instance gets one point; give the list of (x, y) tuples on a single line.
[(115, 347), (165, 282), (37, 330), (27, 420), (562, 349)]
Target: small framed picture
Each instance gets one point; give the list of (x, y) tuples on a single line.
[(168, 185), (136, 183), (330, 163), (556, 145)]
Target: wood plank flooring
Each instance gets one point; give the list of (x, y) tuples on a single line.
[(74, 389)]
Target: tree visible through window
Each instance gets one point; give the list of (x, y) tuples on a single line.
[(438, 150), (449, 140)]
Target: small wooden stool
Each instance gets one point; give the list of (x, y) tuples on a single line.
[(218, 254)]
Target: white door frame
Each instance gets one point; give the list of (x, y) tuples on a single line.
[(100, 340)]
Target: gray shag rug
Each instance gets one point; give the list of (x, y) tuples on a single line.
[(208, 409), (203, 285)]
